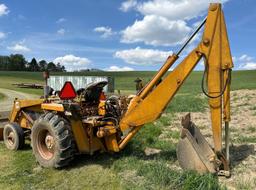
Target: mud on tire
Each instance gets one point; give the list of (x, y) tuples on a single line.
[(52, 141)]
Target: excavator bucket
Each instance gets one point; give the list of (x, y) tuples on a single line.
[(193, 151)]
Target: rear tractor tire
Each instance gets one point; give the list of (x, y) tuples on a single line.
[(52, 141), (13, 136)]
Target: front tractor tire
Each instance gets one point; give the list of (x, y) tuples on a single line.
[(52, 141), (13, 136)]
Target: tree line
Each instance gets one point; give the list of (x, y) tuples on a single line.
[(17, 62)]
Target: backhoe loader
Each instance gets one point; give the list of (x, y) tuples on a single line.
[(89, 121)]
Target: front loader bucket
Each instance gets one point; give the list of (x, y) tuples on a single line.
[(193, 151)]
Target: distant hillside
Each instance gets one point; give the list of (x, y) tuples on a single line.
[(125, 80)]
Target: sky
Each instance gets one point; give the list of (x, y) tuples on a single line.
[(116, 35)]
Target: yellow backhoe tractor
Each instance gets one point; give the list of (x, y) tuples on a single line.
[(89, 122)]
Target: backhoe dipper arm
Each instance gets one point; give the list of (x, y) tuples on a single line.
[(149, 104)]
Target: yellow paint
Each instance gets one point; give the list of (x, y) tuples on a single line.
[(101, 108), (149, 104), (53, 107), (24, 123), (20, 104), (106, 131), (111, 143), (80, 135)]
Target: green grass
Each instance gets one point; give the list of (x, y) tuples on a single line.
[(252, 129), (156, 175), (253, 108), (124, 81), (129, 169), (22, 173), (187, 103), (7, 79), (245, 139)]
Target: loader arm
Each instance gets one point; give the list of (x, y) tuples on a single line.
[(151, 101)]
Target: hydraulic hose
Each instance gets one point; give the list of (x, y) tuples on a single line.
[(228, 80)]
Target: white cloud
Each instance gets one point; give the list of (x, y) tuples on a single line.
[(19, 47), (72, 62), (245, 58), (164, 22), (128, 5), (244, 62), (116, 68), (2, 35), (61, 31), (105, 31), (61, 20), (139, 56), (249, 66), (175, 9), (156, 30), (3, 10)]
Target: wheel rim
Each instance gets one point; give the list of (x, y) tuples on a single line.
[(45, 144), (10, 137)]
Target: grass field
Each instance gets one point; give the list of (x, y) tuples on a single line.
[(130, 169), (124, 81)]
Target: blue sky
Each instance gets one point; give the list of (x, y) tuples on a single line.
[(117, 35)]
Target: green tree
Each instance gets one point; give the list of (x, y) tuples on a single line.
[(17, 62), (33, 66), (4, 63), (51, 67), (43, 65)]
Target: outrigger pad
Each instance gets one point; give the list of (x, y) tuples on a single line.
[(193, 151)]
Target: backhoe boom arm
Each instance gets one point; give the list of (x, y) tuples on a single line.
[(149, 104)]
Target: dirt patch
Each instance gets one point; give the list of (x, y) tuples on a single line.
[(242, 133), (151, 151)]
